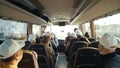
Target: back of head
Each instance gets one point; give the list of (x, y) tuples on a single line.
[(9, 47), (109, 41), (45, 39), (87, 35)]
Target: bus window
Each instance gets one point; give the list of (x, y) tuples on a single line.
[(13, 29), (87, 28), (110, 24), (36, 29), (61, 31)]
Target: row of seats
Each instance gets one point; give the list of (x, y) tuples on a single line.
[(84, 57), (81, 54), (79, 43)]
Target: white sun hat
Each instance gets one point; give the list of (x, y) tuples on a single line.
[(9, 47), (109, 41)]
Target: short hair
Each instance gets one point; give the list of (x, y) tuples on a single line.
[(75, 29), (45, 39), (87, 35)]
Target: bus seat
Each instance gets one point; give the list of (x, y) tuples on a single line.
[(42, 56), (86, 55), (71, 43), (82, 39), (29, 60), (43, 61), (86, 66), (39, 49), (91, 39), (61, 46), (76, 45), (71, 60), (94, 44)]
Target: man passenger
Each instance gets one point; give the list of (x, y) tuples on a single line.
[(108, 44)]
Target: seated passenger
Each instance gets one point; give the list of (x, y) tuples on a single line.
[(78, 33), (68, 39), (54, 44), (108, 44), (10, 53), (31, 41), (87, 35), (49, 50)]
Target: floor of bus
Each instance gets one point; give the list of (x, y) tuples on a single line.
[(61, 61)]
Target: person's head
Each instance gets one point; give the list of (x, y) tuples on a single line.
[(78, 32), (45, 40), (10, 50), (68, 33), (108, 44), (75, 29), (87, 35)]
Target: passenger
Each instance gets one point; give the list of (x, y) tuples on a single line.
[(49, 50), (67, 41), (38, 39), (10, 53), (108, 44), (31, 41), (54, 44), (55, 39), (87, 35), (78, 33)]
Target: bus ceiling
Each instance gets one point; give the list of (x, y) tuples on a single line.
[(46, 12)]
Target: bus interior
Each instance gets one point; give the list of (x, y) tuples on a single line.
[(20, 18)]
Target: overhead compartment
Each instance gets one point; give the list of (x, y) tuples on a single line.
[(10, 11)]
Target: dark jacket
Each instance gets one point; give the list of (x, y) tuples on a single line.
[(111, 60)]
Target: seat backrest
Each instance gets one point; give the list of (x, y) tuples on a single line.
[(43, 61), (91, 39), (76, 45), (39, 49), (29, 60), (83, 39), (87, 55), (86, 66), (70, 45), (94, 44)]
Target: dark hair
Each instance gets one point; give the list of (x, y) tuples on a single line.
[(75, 29), (87, 35)]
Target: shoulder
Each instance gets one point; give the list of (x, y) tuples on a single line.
[(114, 62)]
